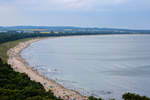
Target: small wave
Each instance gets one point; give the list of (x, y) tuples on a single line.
[(44, 70)]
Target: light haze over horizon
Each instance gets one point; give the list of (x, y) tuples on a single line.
[(132, 14)]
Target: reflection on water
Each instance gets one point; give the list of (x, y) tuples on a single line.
[(103, 66)]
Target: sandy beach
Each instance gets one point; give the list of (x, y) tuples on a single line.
[(20, 65)]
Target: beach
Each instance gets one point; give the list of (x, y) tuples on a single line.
[(20, 65)]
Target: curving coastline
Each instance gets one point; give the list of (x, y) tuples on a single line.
[(20, 65)]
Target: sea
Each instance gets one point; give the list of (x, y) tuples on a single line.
[(105, 66)]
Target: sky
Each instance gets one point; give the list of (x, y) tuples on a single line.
[(132, 14)]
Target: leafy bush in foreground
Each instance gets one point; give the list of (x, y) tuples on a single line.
[(93, 98), (131, 96)]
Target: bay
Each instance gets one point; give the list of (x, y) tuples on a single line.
[(104, 66)]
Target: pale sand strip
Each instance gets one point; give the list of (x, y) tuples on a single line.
[(20, 65)]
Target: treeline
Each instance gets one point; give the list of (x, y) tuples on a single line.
[(6, 37)]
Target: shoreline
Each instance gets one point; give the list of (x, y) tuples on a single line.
[(20, 65)]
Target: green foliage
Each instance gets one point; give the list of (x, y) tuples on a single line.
[(6, 37), (93, 98), (18, 86), (131, 96)]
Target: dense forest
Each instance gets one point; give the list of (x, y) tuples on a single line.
[(5, 37), (18, 86)]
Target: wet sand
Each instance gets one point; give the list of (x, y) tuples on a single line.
[(20, 65)]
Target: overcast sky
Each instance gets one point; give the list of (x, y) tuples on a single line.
[(85, 13)]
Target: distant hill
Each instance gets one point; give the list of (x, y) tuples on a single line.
[(73, 29)]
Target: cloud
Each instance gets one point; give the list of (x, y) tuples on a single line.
[(77, 4), (61, 4), (74, 5), (83, 12)]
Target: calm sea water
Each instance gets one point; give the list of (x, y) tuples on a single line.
[(103, 66)]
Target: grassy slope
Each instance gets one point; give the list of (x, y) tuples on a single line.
[(6, 46)]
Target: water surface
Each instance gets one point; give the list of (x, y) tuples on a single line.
[(105, 66)]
